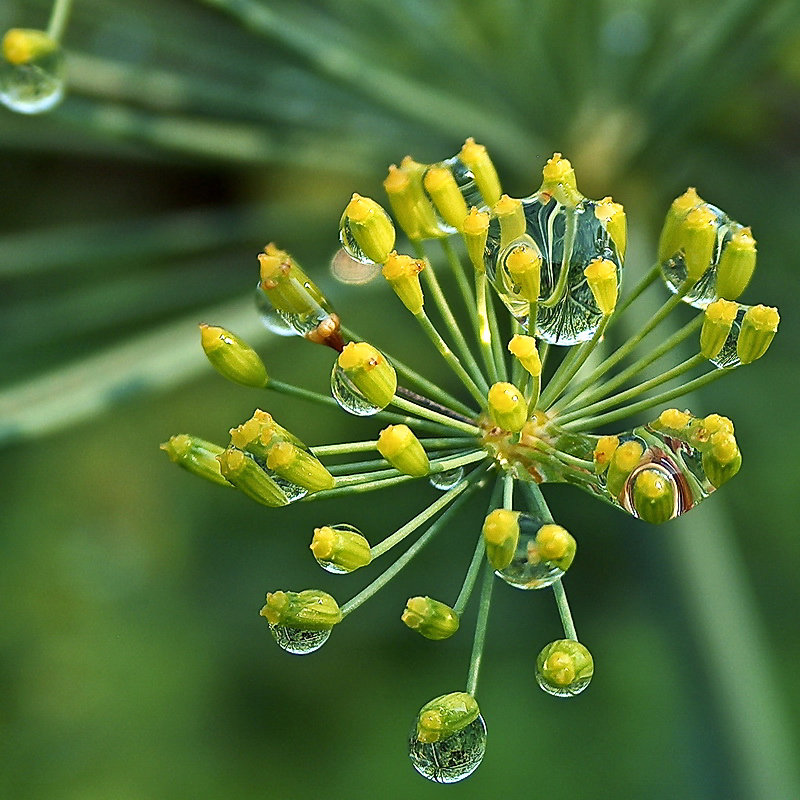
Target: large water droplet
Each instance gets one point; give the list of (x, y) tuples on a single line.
[(36, 85), (727, 358), (298, 641), (564, 668), (528, 568), (291, 491), (444, 481), (568, 239), (673, 270), (272, 320), (352, 271), (287, 323), (348, 396), (451, 759)]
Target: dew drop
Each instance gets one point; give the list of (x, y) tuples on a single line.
[(352, 271), (36, 85), (272, 320), (329, 566), (727, 358), (444, 481), (564, 668), (528, 569), (348, 396), (297, 640), (451, 759)]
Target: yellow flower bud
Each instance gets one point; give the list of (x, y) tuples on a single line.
[(603, 452), (370, 226), (501, 534), (722, 460), (626, 457), (287, 286), (257, 434), (759, 326), (736, 264), (403, 201), (524, 349), (402, 272), (670, 241), (612, 215), (507, 407), (674, 420), (564, 668), (340, 549), (717, 321), (443, 190), (699, 237), (311, 610), (653, 496), (558, 180), (401, 448), (476, 159), (446, 715), (556, 544), (369, 371), (601, 275), (232, 357), (524, 264), (23, 45), (299, 467), (247, 476), (475, 230), (197, 456), (430, 618), (510, 214)]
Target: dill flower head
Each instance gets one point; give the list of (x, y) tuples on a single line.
[(541, 278)]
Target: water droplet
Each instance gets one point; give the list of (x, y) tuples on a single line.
[(348, 396), (291, 491), (37, 85), (329, 566), (728, 358), (444, 481), (287, 323), (451, 759), (528, 569), (673, 270), (568, 239), (298, 641), (465, 181), (271, 318), (352, 271), (564, 668)]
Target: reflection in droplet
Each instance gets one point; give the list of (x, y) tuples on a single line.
[(272, 320), (348, 396), (529, 569), (351, 271), (564, 668), (298, 641), (31, 83), (727, 358), (329, 566), (451, 759), (444, 481)]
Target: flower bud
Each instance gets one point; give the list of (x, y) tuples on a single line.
[(626, 457), (404, 202), (402, 272), (601, 275), (24, 45), (510, 214), (501, 534), (443, 189), (340, 548), (524, 264), (287, 286), (232, 357), (670, 241), (401, 448), (259, 433), (717, 321), (700, 431), (603, 452), (653, 496), (699, 237), (524, 349), (475, 230), (195, 455), (369, 371), (759, 326), (736, 264), (311, 610), (507, 407), (558, 180), (722, 459), (299, 467), (612, 216), (476, 159), (247, 476), (446, 715), (557, 545), (370, 226), (564, 668), (430, 618), (673, 420)]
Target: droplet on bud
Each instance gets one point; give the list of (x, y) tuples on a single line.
[(564, 668), (298, 641), (31, 71)]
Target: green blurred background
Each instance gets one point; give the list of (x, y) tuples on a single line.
[(133, 662)]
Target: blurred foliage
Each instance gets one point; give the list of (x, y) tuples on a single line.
[(134, 664)]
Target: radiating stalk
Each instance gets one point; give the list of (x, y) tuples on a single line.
[(480, 630)]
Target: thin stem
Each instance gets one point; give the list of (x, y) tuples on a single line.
[(433, 416), (535, 389), (461, 280), (508, 491), (471, 577), (480, 630), (536, 501), (58, 19), (563, 611), (626, 411), (403, 560), (563, 273), (367, 486), (484, 331), (646, 280), (497, 340), (370, 446), (518, 374)]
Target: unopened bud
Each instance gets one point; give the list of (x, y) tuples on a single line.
[(564, 667), (369, 371), (601, 275), (197, 456), (507, 407), (445, 716), (626, 457), (736, 264), (340, 548), (717, 321), (603, 451), (232, 357), (722, 460), (670, 241), (402, 273), (698, 241), (501, 534), (299, 467), (247, 476), (475, 230), (310, 610), (430, 618), (476, 159), (653, 496), (524, 265), (612, 216), (511, 216), (556, 545), (287, 286), (558, 180), (443, 190), (401, 448), (524, 349), (370, 226), (759, 326)]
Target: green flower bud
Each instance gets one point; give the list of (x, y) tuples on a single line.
[(410, 204), (24, 45), (443, 189), (759, 326), (564, 667), (717, 321), (259, 433), (501, 534), (612, 215), (671, 234), (524, 349), (401, 448), (722, 460), (698, 240), (653, 496), (672, 420), (299, 467), (311, 610), (509, 213), (601, 275), (700, 430), (196, 455), (507, 407), (736, 264), (287, 286), (370, 226), (369, 371), (558, 180), (475, 230), (446, 715), (626, 457), (556, 545), (247, 476), (524, 265), (402, 272), (342, 548), (476, 159), (603, 452), (430, 618), (232, 357)]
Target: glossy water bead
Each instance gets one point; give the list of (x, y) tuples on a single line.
[(31, 71)]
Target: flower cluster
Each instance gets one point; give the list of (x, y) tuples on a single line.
[(554, 261)]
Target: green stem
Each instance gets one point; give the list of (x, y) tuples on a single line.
[(434, 416), (569, 240), (484, 330), (508, 491), (58, 19), (461, 280), (403, 560), (471, 577), (536, 501), (480, 630), (497, 340), (370, 446), (563, 611), (646, 280)]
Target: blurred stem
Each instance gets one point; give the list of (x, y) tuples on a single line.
[(58, 19)]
